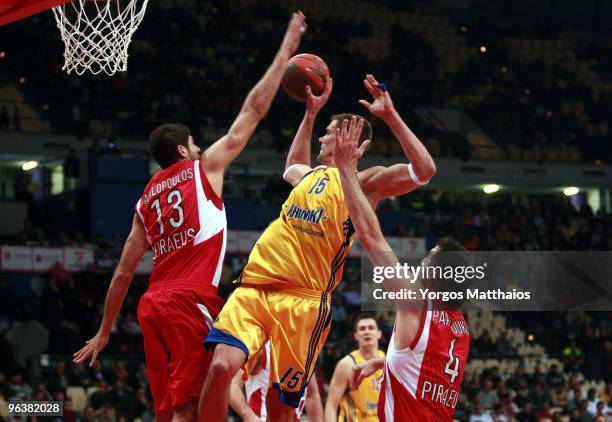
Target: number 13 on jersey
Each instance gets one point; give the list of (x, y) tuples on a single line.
[(175, 220)]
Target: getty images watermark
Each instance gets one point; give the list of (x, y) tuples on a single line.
[(499, 280)]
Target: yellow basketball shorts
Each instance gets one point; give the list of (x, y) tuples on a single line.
[(295, 320)]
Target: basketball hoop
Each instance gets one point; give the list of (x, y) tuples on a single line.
[(97, 33)]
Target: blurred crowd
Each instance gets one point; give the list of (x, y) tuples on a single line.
[(531, 88), (69, 306), (546, 222)]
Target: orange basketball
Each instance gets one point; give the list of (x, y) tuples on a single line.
[(305, 69)]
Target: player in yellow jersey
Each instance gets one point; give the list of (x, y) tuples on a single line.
[(297, 262), (360, 405)]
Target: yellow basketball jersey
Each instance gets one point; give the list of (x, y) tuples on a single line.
[(361, 405), (307, 244)]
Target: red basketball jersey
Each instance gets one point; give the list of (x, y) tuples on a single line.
[(422, 383), (186, 227)]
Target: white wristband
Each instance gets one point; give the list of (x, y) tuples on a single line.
[(414, 177), (288, 169)]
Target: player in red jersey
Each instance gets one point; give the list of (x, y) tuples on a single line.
[(182, 217), (428, 350)]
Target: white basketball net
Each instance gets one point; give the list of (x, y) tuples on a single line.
[(97, 33)]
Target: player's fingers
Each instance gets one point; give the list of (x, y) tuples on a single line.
[(338, 137), (329, 85), (308, 90), (359, 128), (81, 355), (298, 21), (372, 80), (354, 131), (345, 124), (301, 20), (94, 356), (78, 354), (365, 103), (352, 128), (363, 147), (369, 87), (83, 350), (79, 351), (375, 86)]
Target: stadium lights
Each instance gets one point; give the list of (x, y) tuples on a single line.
[(490, 188), (570, 191), (29, 165)]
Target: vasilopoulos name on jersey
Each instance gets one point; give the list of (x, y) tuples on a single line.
[(158, 188), (310, 216)]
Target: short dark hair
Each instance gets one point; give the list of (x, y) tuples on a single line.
[(447, 244), (366, 132), (361, 317), (451, 254), (164, 140)]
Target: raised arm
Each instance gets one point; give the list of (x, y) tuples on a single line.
[(400, 178), (219, 155), (133, 250), (362, 215), (337, 388), (298, 159), (367, 227)]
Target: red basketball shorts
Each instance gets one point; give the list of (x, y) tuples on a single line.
[(174, 324)]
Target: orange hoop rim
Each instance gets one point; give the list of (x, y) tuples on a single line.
[(26, 8)]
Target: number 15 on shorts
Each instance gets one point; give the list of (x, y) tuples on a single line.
[(292, 377)]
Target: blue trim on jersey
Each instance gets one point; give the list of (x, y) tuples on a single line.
[(292, 399), (219, 337), (306, 174)]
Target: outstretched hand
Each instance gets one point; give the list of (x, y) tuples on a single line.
[(92, 348), (295, 30), (315, 103), (359, 373), (381, 106), (347, 152)]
